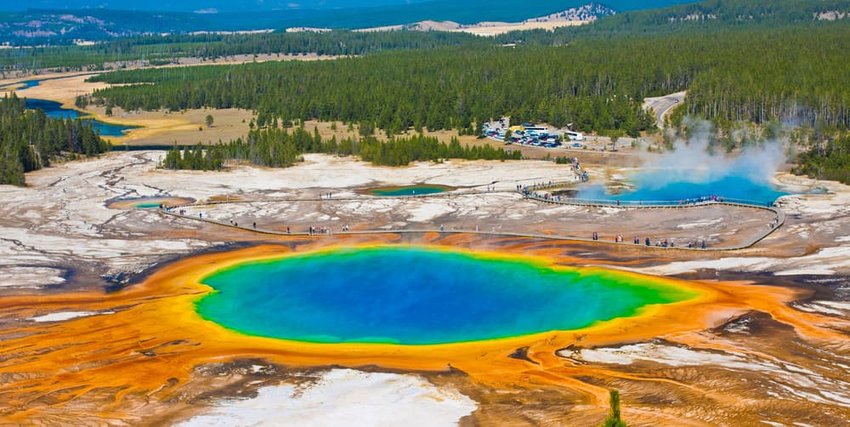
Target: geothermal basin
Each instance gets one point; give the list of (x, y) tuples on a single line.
[(420, 295)]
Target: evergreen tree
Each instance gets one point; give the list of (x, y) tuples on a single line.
[(29, 140)]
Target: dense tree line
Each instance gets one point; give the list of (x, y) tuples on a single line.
[(276, 147), (197, 158), (709, 17), (158, 50), (762, 61), (29, 140), (435, 89), (596, 84), (797, 75), (830, 160)]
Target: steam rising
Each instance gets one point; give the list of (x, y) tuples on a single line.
[(695, 169), (698, 160)]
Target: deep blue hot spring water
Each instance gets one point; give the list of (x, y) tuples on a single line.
[(420, 295), (655, 186)]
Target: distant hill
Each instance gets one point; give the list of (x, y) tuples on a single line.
[(61, 26), (267, 5), (202, 5), (581, 15), (727, 13)]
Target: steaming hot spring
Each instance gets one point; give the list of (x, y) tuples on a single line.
[(692, 171)]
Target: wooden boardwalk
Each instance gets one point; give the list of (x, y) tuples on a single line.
[(779, 220)]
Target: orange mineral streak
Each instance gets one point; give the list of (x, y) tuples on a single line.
[(151, 344), (166, 201)]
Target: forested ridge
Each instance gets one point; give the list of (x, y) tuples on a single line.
[(164, 49), (830, 160), (29, 140), (437, 89), (741, 61), (38, 27), (597, 84), (709, 15), (276, 147), (712, 15)]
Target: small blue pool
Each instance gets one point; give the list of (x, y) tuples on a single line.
[(55, 110)]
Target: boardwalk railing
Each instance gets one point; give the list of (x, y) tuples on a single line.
[(532, 192), (647, 203), (777, 222)]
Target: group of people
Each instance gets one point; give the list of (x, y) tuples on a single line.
[(702, 199), (530, 191), (170, 209), (525, 189), (660, 243), (313, 230), (773, 223), (580, 174)]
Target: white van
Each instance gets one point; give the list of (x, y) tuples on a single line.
[(574, 136)]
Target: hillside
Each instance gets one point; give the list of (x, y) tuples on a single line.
[(63, 26), (206, 5), (722, 14), (574, 16)]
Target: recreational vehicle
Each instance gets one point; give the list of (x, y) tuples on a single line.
[(574, 136)]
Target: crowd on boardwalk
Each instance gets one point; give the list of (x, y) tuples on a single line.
[(656, 242), (534, 191), (325, 230)]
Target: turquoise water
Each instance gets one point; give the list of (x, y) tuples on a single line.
[(56, 111), (654, 186), (146, 202), (147, 205), (410, 190), (412, 295)]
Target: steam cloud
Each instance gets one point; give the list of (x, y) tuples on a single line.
[(698, 160), (696, 168)]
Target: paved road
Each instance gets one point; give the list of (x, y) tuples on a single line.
[(663, 104)]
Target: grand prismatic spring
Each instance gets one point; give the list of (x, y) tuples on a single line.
[(425, 213), (413, 295)]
